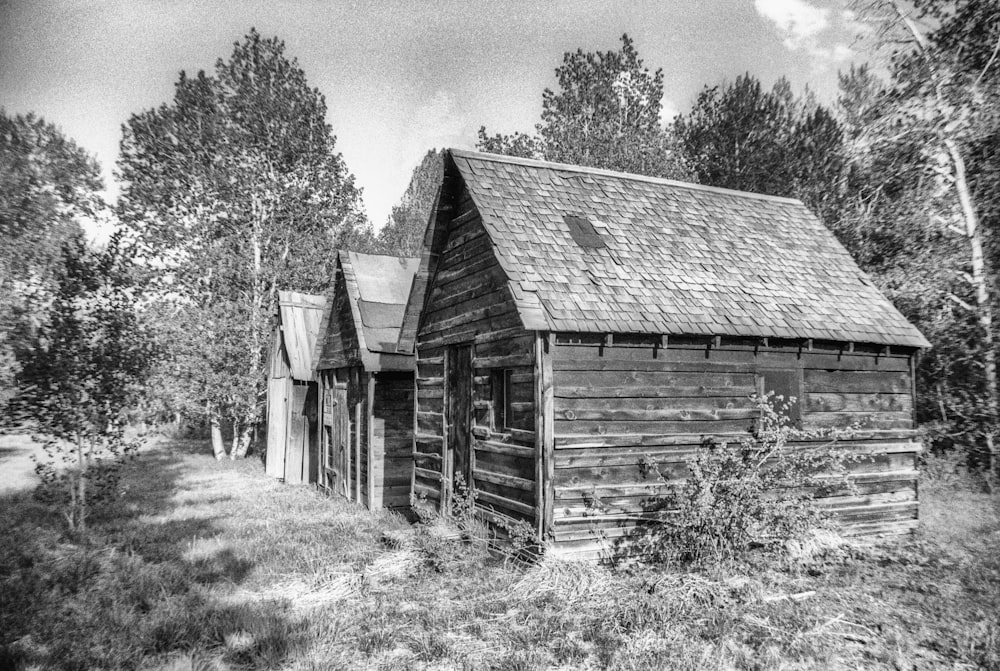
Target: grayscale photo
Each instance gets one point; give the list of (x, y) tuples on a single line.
[(506, 335)]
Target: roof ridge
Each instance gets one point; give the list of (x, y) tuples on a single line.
[(382, 256), (569, 167)]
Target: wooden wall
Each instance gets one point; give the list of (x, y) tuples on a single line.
[(392, 439), (340, 339), (468, 303), (615, 404), (376, 422)]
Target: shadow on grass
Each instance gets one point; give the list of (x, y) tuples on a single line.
[(153, 577)]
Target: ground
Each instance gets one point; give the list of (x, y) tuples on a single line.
[(204, 564), (17, 468)]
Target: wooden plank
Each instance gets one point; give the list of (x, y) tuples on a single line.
[(502, 335), (856, 382), (503, 479), (598, 427), (881, 420), (686, 382), (357, 452), (506, 361), (706, 403), (857, 402), (569, 440), (504, 448), (376, 449), (506, 463), (657, 414), (583, 357), (691, 391), (430, 422), (504, 502), (545, 426)]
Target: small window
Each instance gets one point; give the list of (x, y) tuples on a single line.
[(583, 232), (500, 383), (785, 389)]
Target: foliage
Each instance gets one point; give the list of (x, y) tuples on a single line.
[(232, 191), (48, 185), (759, 492), (924, 198), (605, 114), (403, 233), (84, 373), (740, 136)]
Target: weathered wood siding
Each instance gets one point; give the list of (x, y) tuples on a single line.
[(468, 303), (340, 338), (392, 428), (617, 404)]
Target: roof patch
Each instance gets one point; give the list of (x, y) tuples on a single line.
[(583, 232)]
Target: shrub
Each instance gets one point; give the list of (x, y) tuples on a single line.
[(758, 492)]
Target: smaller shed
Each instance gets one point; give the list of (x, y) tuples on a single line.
[(292, 392), (366, 388)]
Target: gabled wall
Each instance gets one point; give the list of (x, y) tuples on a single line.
[(469, 341)]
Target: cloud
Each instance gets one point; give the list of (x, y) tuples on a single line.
[(799, 21), (802, 25)]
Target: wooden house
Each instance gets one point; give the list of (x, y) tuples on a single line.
[(366, 387), (292, 393), (571, 324)]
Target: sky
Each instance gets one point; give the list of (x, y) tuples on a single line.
[(400, 77)]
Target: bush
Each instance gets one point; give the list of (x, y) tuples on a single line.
[(756, 493)]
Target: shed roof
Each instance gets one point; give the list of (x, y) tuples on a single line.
[(300, 316), (676, 258)]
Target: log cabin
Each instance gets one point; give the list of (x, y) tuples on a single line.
[(570, 324), (365, 386), (292, 392)]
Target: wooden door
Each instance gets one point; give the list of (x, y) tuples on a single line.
[(298, 435), (336, 434), (342, 441), (458, 412)]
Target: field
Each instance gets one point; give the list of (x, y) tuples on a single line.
[(205, 565)]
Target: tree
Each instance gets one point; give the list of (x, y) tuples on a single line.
[(942, 111), (84, 373), (403, 233), (740, 136), (605, 114), (233, 190), (48, 185)]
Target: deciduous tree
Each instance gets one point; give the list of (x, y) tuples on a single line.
[(84, 372), (233, 190), (605, 113)]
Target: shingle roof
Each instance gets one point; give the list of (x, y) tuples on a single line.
[(300, 316), (678, 258)]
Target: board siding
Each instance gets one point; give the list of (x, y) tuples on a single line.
[(468, 302), (616, 406)]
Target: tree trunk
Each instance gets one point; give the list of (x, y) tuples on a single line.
[(234, 451), (218, 447), (984, 310), (244, 441), (81, 501)]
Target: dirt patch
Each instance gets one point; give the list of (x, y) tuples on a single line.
[(17, 469)]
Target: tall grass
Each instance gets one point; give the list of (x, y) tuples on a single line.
[(212, 565)]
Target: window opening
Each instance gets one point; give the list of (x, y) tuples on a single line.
[(500, 380)]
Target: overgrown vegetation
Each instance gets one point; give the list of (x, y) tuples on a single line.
[(85, 370), (216, 563), (756, 493)]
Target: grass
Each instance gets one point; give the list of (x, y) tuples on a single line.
[(206, 565)]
